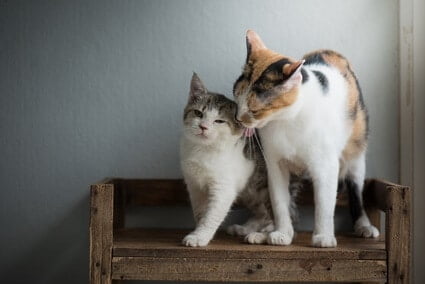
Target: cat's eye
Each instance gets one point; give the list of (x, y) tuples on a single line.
[(198, 113), (219, 121)]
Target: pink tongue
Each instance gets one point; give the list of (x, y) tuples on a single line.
[(248, 132)]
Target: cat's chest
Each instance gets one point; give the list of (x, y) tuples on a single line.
[(284, 141), (227, 167)]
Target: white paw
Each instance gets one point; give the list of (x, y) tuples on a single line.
[(280, 239), (195, 240), (367, 231), (256, 238), (324, 241), (236, 230)]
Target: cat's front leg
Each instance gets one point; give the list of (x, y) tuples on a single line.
[(278, 178), (219, 201), (325, 182)]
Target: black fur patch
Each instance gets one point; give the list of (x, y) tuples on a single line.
[(305, 75), (322, 80), (354, 199), (271, 77), (315, 58)]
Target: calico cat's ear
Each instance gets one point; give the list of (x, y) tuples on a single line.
[(293, 72), (253, 42), (197, 88)]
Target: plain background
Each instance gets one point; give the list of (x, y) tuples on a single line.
[(90, 89)]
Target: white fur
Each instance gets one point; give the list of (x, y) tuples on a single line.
[(215, 171), (311, 134)]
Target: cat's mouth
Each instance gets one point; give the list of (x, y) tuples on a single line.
[(248, 132), (202, 135)]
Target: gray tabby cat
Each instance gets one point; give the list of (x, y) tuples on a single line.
[(219, 166)]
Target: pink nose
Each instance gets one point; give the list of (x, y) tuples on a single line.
[(203, 127)]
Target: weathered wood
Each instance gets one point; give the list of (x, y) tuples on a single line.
[(246, 270), (167, 243), (167, 192), (119, 204), (398, 237), (119, 254), (375, 193), (101, 233)]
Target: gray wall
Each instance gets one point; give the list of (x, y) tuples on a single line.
[(90, 89)]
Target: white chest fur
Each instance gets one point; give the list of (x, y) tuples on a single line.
[(223, 164)]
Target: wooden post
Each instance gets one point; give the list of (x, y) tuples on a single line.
[(398, 237), (101, 232), (119, 204)]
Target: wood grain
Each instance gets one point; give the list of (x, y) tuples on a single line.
[(247, 270), (167, 192), (100, 230), (167, 243), (398, 238), (118, 253)]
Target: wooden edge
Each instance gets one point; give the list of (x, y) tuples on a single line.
[(101, 232), (247, 270), (399, 233), (107, 180), (377, 192)]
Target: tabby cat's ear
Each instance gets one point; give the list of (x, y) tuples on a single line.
[(293, 72), (253, 42), (197, 88)]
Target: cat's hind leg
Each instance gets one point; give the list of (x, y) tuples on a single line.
[(354, 182)]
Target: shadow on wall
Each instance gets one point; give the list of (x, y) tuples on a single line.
[(61, 256)]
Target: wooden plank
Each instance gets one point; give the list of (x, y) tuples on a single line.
[(398, 237), (247, 270), (119, 204), (167, 243), (166, 192), (100, 230)]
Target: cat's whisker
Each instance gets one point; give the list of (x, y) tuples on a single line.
[(259, 146)]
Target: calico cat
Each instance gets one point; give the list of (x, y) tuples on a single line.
[(311, 116), (219, 166)]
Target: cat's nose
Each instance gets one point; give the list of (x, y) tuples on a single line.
[(203, 127)]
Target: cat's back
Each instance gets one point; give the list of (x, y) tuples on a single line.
[(329, 59)]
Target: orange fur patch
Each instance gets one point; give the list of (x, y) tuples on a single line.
[(261, 111), (260, 60)]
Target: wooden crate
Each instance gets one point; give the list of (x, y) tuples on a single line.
[(118, 253)]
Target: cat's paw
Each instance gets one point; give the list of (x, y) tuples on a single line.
[(256, 238), (323, 241), (237, 230), (195, 240), (279, 238), (367, 231)]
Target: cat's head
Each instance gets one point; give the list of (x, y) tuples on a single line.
[(268, 84), (209, 117)]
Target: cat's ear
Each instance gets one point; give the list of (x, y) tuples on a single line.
[(197, 88), (253, 42), (293, 72)]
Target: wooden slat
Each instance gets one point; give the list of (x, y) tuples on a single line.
[(167, 243), (376, 193), (398, 237), (167, 192), (101, 216), (246, 270)]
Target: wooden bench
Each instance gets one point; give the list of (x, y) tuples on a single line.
[(118, 253)]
